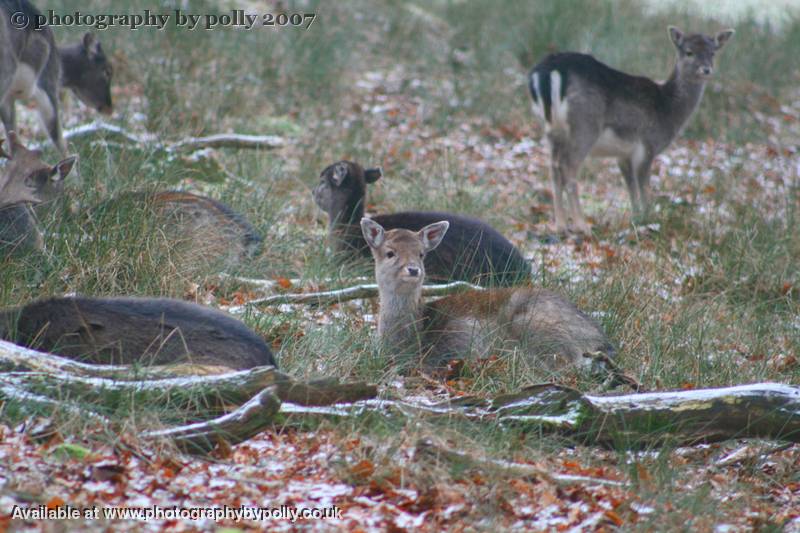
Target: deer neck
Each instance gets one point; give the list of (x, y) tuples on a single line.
[(682, 95), (70, 70), (400, 319), (343, 227)]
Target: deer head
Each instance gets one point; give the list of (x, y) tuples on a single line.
[(26, 179), (400, 253), (696, 52)]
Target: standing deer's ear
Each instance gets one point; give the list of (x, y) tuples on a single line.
[(371, 175), (61, 169), (91, 45), (722, 37), (432, 234), (676, 36), (373, 232), (340, 171)]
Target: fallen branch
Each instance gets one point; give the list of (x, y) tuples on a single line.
[(427, 447), (762, 410), (203, 395), (112, 133), (14, 358), (749, 452), (36, 404), (228, 140), (235, 427), (350, 293)]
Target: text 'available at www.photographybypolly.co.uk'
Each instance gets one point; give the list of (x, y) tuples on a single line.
[(155, 512)]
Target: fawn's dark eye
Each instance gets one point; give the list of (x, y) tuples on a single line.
[(421, 255), (689, 53), (390, 254)]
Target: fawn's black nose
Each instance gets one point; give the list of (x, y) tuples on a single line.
[(413, 271), (706, 71)]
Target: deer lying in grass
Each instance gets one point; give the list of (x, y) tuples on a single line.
[(26, 181), (134, 330), (31, 65), (548, 329), (206, 227), (592, 110), (472, 251)]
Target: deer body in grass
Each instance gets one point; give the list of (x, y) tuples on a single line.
[(123, 330), (32, 66), (592, 110), (472, 250), (199, 228), (24, 182), (546, 328)]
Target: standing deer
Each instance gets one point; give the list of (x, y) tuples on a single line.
[(31, 65), (26, 181), (592, 110), (548, 329), (472, 251)]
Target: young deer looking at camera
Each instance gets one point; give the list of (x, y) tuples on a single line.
[(31, 65), (592, 110), (26, 181), (547, 328)]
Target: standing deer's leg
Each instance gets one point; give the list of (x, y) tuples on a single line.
[(557, 177), (567, 162), (9, 116), (626, 167), (8, 66), (641, 162), (570, 172), (47, 103)]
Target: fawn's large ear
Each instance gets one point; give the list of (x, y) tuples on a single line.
[(432, 234), (61, 169), (676, 36), (371, 175), (373, 232), (340, 171), (723, 37)]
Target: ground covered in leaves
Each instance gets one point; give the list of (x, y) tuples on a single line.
[(323, 469)]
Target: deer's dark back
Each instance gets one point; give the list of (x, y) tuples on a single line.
[(135, 330), (472, 250)]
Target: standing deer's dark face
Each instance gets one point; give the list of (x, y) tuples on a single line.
[(342, 190), (90, 75), (696, 52)]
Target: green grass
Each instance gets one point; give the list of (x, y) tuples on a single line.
[(463, 63)]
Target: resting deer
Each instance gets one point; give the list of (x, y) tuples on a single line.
[(472, 251), (26, 181), (134, 330), (592, 110), (548, 329), (196, 224), (31, 65)]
